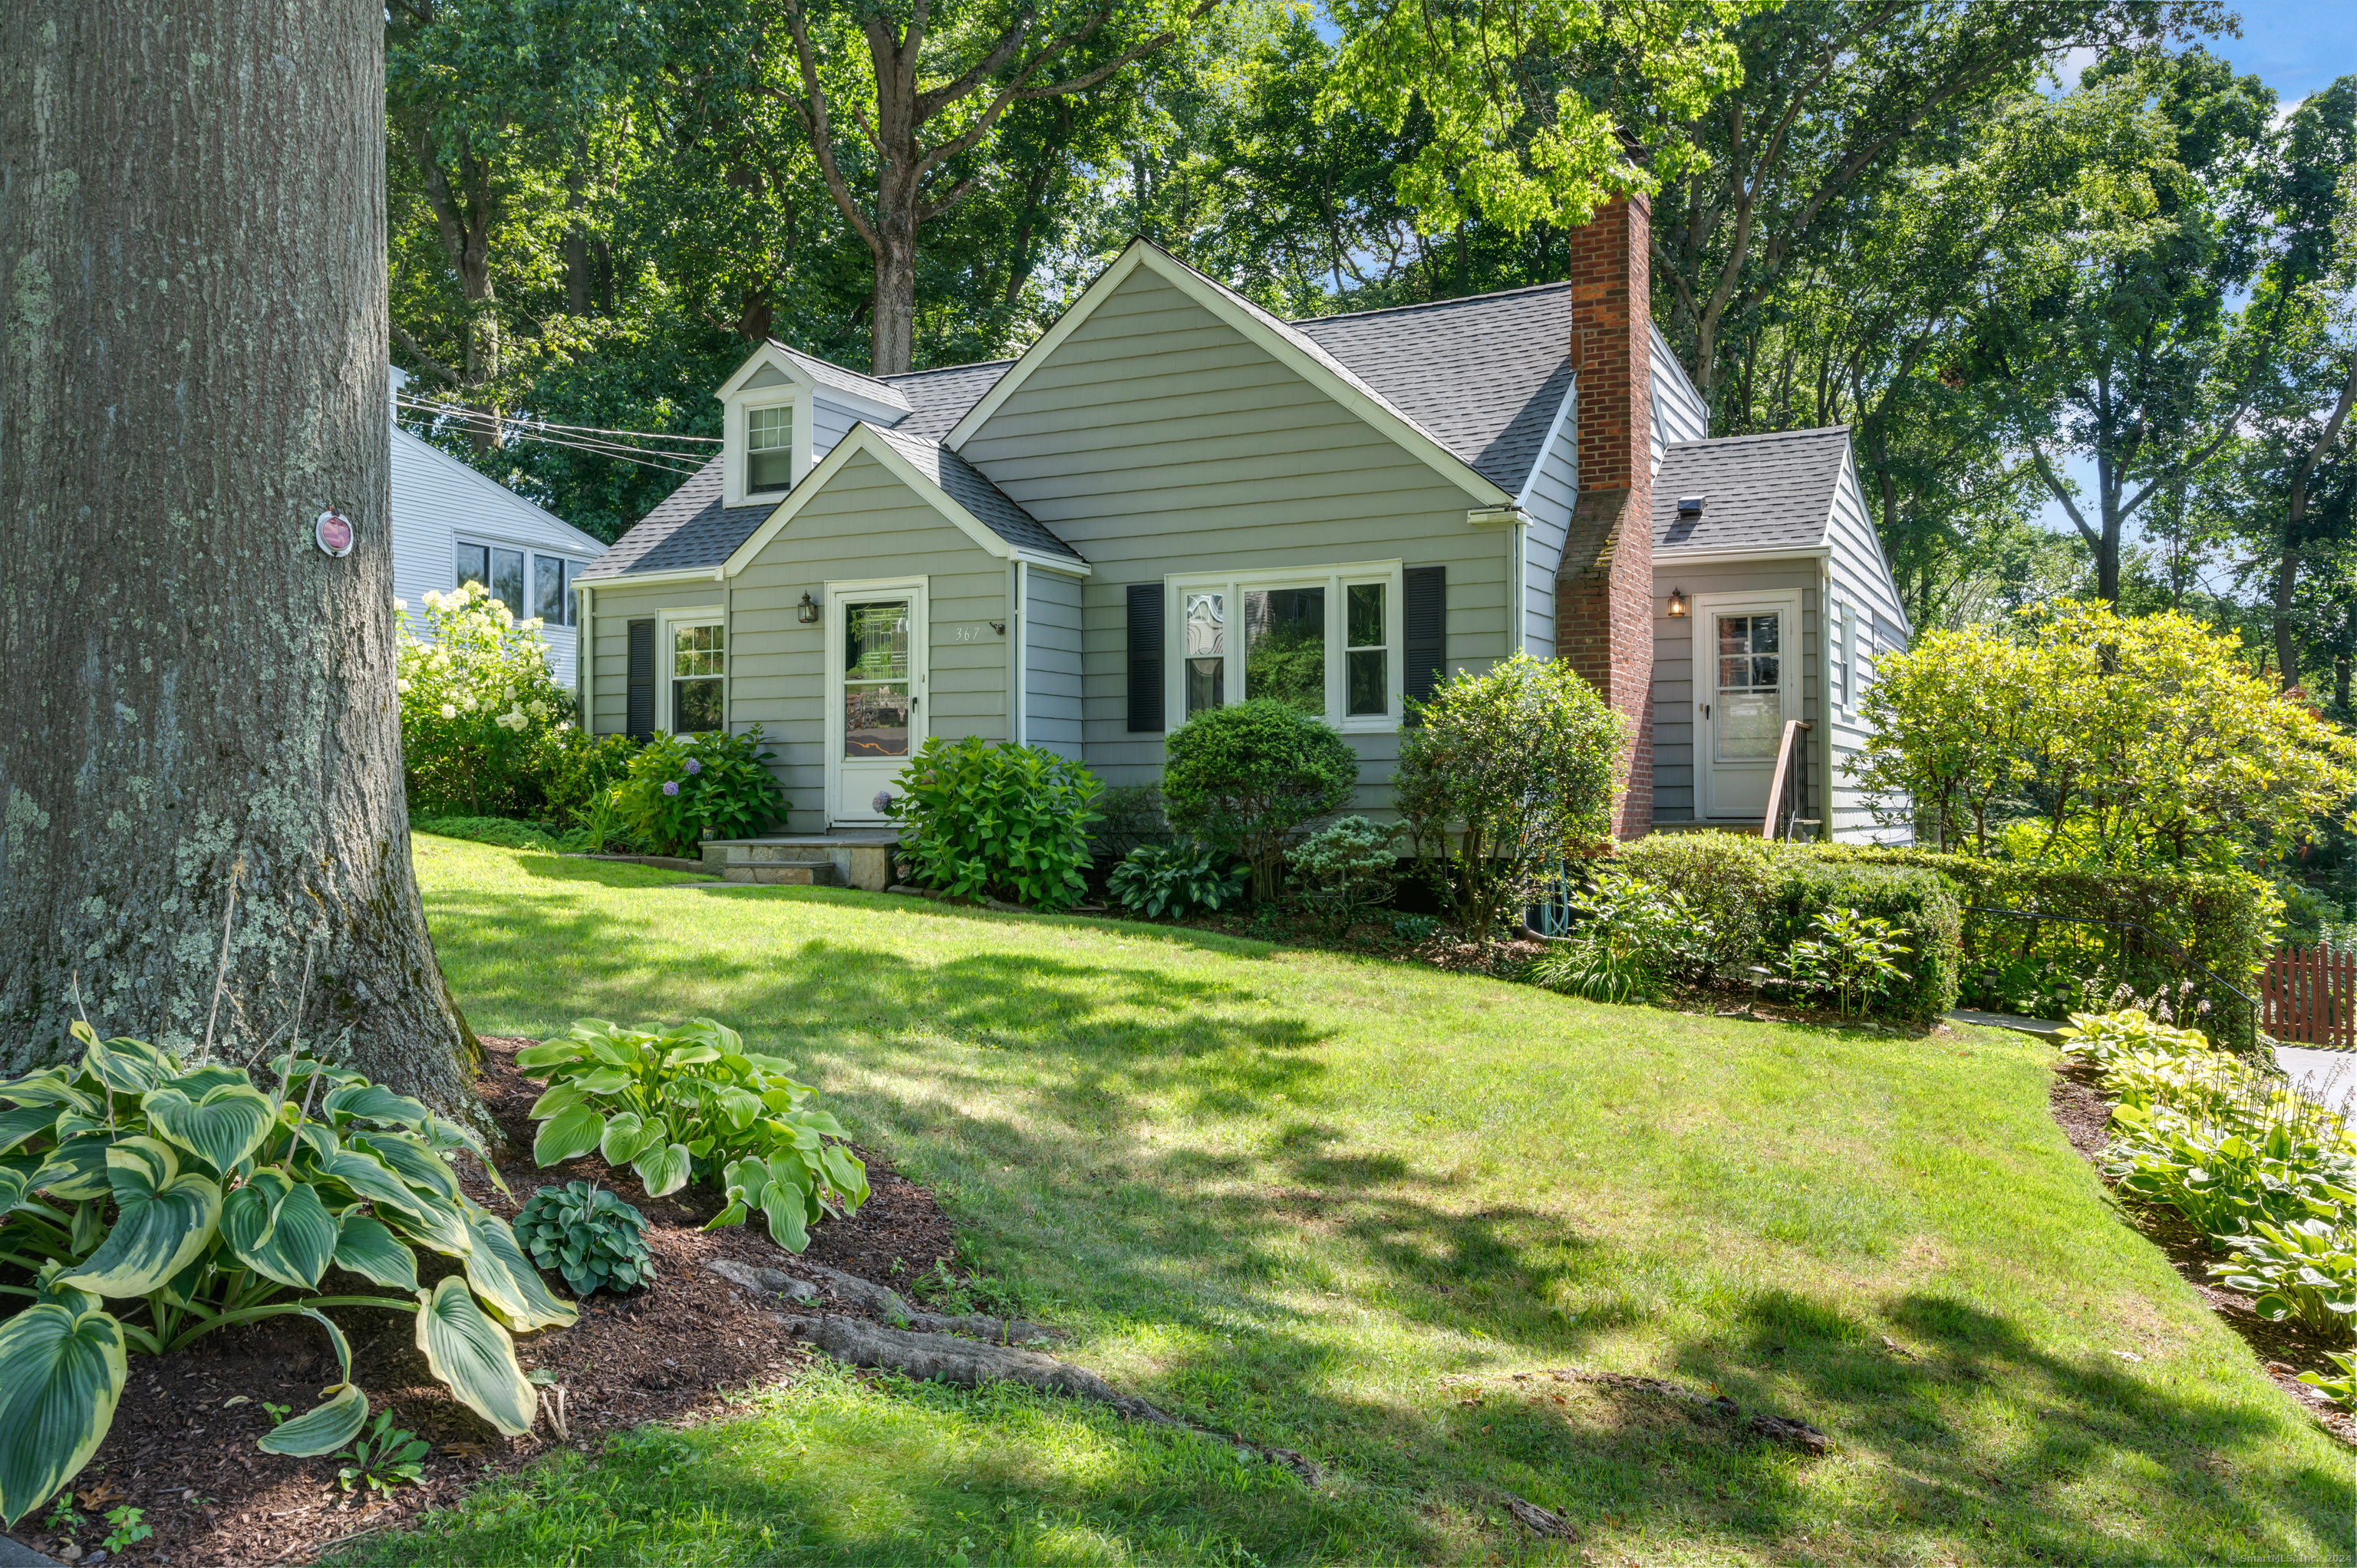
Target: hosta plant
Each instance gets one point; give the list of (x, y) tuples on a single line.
[(2227, 1180), (146, 1203), (585, 1233), (2305, 1272), (1175, 879), (690, 1103), (2340, 1386)]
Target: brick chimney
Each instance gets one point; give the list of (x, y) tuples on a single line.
[(1604, 590)]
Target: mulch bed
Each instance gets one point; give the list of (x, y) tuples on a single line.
[(2286, 1350), (182, 1445)]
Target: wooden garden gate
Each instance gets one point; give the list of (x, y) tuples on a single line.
[(2310, 997)]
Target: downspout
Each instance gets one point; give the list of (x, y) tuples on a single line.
[(584, 657), (1018, 727)]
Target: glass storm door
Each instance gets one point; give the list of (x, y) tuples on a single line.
[(1743, 710), (877, 701)]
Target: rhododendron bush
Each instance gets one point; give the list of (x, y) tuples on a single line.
[(482, 719)]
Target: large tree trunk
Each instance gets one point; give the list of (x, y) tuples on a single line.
[(199, 707)]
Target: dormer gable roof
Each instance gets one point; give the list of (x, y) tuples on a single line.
[(865, 394)]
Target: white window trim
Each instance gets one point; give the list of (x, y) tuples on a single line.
[(1334, 579), (737, 441), (665, 622), (1844, 640)]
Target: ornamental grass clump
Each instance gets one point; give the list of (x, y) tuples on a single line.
[(147, 1203), (690, 1103), (983, 820), (1628, 938)]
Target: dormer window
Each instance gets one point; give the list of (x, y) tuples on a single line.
[(769, 448)]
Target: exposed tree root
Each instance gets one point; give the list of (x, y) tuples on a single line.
[(885, 1302)]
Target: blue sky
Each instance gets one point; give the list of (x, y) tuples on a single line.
[(2295, 46)]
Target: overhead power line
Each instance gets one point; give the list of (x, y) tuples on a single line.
[(512, 429)]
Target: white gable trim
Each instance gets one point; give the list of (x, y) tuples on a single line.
[(864, 437), (573, 540), (885, 402), (1874, 535), (1286, 348), (1565, 413)]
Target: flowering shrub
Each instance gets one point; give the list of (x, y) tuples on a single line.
[(477, 707), (685, 788)]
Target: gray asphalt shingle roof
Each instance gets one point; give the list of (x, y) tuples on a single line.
[(963, 483), (942, 397), (688, 529), (852, 382), (1484, 375), (1759, 492)]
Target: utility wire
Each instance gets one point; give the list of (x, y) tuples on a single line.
[(457, 412), (513, 430)]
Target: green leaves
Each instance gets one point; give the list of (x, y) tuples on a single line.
[(506, 1279), (575, 1130), (331, 1425), (222, 1129), (980, 818), (278, 1228), (366, 1247), (662, 1169), (474, 1356), (592, 1238), (164, 1219), (61, 1374), (626, 1137)]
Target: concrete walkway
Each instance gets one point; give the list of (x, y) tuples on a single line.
[(2328, 1078)]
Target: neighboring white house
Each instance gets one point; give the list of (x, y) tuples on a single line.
[(453, 524)]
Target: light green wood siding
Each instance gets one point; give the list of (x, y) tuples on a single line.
[(1157, 440), (865, 525)]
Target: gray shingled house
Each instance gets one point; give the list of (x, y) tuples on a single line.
[(1174, 500)]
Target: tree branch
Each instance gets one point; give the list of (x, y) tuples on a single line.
[(2054, 483), (425, 358)]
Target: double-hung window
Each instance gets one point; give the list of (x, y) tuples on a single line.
[(1322, 640), (769, 448), (699, 671), (1840, 660)]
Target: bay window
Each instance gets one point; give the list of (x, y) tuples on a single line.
[(1322, 640)]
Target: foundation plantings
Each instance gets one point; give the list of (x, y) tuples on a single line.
[(148, 1204), (690, 1103)]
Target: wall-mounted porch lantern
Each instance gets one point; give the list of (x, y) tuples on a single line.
[(807, 612), (1678, 604)]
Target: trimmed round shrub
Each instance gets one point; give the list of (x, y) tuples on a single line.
[(1245, 779), (1920, 906), (1345, 869), (983, 819)]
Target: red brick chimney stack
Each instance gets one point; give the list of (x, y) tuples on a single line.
[(1603, 592)]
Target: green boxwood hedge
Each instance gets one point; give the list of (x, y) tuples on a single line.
[(1921, 904)]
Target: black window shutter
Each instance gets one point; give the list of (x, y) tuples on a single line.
[(641, 719), (1145, 657), (1424, 613)]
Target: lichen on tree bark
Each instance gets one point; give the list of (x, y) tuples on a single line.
[(192, 368)]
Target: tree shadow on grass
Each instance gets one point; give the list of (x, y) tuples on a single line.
[(1078, 1066)]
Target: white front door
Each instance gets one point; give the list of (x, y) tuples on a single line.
[(1747, 684), (876, 692)]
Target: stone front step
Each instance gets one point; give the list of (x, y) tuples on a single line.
[(853, 858)]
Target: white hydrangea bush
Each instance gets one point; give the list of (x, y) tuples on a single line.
[(479, 705)]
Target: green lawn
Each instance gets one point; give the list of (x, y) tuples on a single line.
[(1338, 1205)]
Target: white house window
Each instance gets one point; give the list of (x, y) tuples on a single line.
[(1206, 623), (1367, 647), (769, 448), (698, 669), (499, 570), (551, 574), (1322, 640)]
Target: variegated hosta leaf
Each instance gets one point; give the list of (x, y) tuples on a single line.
[(76, 1169), (164, 1218), (25, 1121), (433, 1222), (740, 1106), (411, 1160), (196, 1085), (61, 1374), (506, 1279), (532, 1060), (222, 1129), (279, 1229), (845, 1173), (13, 1185), (128, 1067), (575, 1133), (371, 1178), (663, 1168), (604, 1081), (694, 1055), (375, 1102), (333, 1422), (365, 1246), (319, 1139), (327, 1426), (475, 1357), (626, 1138), (50, 1086)]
